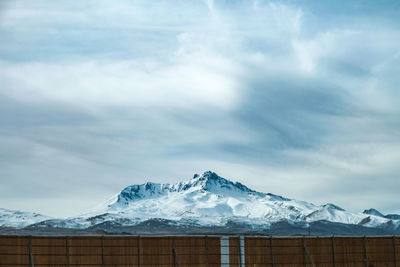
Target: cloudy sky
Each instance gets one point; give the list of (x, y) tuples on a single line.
[(298, 98)]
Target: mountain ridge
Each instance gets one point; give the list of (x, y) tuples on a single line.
[(209, 200)]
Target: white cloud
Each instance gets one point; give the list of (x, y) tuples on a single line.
[(180, 84), (265, 92)]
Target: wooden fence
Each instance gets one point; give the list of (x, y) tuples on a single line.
[(206, 251)]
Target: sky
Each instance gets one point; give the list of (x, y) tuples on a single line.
[(296, 98)]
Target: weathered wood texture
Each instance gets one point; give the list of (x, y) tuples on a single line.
[(198, 251)]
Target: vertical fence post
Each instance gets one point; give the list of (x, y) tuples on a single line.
[(394, 251), (138, 250), (176, 260), (271, 251), (306, 252), (365, 252), (333, 251), (67, 249), (240, 252), (31, 263), (173, 252)]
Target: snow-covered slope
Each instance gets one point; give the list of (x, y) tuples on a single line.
[(212, 200), (19, 219), (379, 214), (204, 200)]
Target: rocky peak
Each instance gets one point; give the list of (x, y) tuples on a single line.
[(332, 206), (373, 212), (210, 181)]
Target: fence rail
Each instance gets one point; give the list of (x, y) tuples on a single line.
[(198, 251)]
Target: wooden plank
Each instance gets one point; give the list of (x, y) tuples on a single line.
[(286, 242), (120, 260), (207, 259), (120, 241), (349, 241), (56, 250), (39, 241), (257, 251), (14, 241), (195, 247), (394, 251), (138, 251), (157, 259), (297, 259), (333, 251), (381, 249), (49, 259), (214, 251), (80, 241), (86, 259), (86, 250), (304, 252), (234, 252), (114, 250), (5, 250), (340, 249), (155, 246), (15, 259), (346, 258), (271, 251), (102, 251), (192, 241), (279, 250), (384, 256)]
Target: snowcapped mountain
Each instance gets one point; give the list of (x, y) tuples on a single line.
[(377, 213), (208, 200), (19, 219)]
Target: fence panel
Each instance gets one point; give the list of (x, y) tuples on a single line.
[(198, 251)]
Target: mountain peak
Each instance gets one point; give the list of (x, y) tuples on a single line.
[(373, 212), (332, 206), (141, 191), (210, 181), (208, 175), (206, 200)]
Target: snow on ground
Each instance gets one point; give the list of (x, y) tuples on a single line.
[(206, 200)]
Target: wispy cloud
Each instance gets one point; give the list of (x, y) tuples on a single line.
[(295, 98)]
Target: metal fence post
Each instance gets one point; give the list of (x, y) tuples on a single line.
[(365, 252), (176, 261), (306, 252), (271, 251), (31, 263)]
